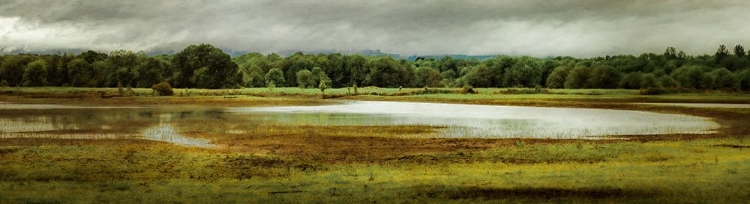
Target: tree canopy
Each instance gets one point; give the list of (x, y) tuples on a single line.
[(205, 66)]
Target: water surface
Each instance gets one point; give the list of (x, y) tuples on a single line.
[(701, 105), (486, 121), (454, 121)]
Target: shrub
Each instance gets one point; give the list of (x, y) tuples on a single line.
[(163, 89), (653, 91), (468, 89)]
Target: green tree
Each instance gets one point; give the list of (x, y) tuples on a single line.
[(275, 76), (449, 78), (526, 72), (667, 82), (91, 56), (428, 77), (35, 73), (670, 53), (384, 72), (13, 68), (556, 79), (356, 70), (578, 78), (724, 79), (744, 77), (604, 76), (632, 80), (720, 54), (650, 80), (217, 70), (293, 64), (102, 68), (318, 74), (692, 77), (81, 73), (152, 71), (739, 51), (476, 76), (305, 79), (254, 77)]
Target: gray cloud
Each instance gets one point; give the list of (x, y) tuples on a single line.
[(519, 27)]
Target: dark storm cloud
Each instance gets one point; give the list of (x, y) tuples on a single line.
[(533, 27)]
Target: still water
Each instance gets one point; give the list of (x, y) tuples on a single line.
[(455, 121), (485, 121)]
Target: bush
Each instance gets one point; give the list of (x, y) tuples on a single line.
[(467, 90), (163, 89), (653, 91)]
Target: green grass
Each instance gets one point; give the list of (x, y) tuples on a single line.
[(673, 172), (363, 164)]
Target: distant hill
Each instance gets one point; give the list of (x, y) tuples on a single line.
[(478, 57), (234, 53)]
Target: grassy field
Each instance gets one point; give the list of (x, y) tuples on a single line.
[(302, 164)]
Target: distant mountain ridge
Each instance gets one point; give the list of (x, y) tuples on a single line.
[(286, 53)]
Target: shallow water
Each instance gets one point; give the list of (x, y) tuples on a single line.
[(484, 121), (112, 123), (701, 105), (13, 106), (455, 120)]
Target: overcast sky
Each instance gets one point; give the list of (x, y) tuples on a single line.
[(517, 27)]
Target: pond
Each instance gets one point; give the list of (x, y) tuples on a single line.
[(179, 126), (701, 105), (486, 121)]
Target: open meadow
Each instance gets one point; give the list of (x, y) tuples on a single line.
[(93, 145)]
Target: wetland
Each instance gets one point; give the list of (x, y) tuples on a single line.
[(432, 148)]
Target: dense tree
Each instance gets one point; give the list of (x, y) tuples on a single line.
[(667, 82), (356, 70), (604, 76), (721, 53), (293, 64), (92, 56), (692, 77), (744, 77), (739, 51), (275, 76), (384, 72), (724, 79), (81, 73), (649, 80), (318, 74), (253, 77), (35, 73), (449, 78), (578, 78), (632, 80), (305, 79), (13, 69), (208, 67), (205, 62), (556, 79), (428, 77), (476, 76), (526, 72)]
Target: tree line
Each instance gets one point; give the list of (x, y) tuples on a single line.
[(205, 66)]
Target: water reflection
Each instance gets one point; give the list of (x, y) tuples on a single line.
[(148, 124), (165, 132), (475, 121), (485, 121)]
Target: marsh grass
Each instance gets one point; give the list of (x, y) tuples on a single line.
[(353, 164)]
